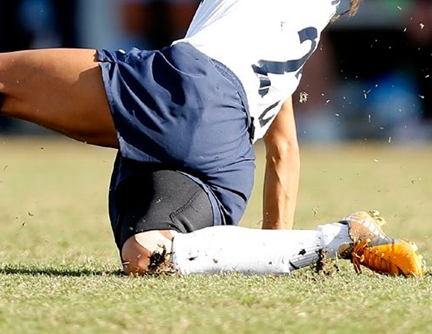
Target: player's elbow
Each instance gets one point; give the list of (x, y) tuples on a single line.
[(282, 149)]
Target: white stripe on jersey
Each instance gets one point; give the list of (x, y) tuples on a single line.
[(264, 42)]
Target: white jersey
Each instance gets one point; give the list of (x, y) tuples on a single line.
[(264, 42)]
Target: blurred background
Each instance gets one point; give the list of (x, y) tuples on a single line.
[(370, 78)]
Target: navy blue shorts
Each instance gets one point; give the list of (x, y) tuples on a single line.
[(178, 108)]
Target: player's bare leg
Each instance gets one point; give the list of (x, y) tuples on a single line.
[(60, 89)]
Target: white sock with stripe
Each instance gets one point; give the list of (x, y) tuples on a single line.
[(254, 251)]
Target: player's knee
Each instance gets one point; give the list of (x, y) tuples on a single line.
[(4, 71), (144, 252), (135, 258), (10, 84)]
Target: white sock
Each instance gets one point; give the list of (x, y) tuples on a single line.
[(333, 236), (252, 251)]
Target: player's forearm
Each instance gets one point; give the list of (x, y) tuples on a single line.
[(280, 189)]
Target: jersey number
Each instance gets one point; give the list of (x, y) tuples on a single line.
[(265, 67)]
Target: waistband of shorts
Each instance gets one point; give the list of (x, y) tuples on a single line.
[(104, 55)]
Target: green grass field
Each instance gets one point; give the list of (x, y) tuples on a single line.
[(60, 273)]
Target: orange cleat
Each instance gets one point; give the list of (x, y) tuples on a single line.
[(378, 252)]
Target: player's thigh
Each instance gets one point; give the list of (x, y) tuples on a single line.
[(153, 206), (61, 89), (160, 200)]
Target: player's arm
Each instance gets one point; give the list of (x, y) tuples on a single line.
[(282, 170)]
